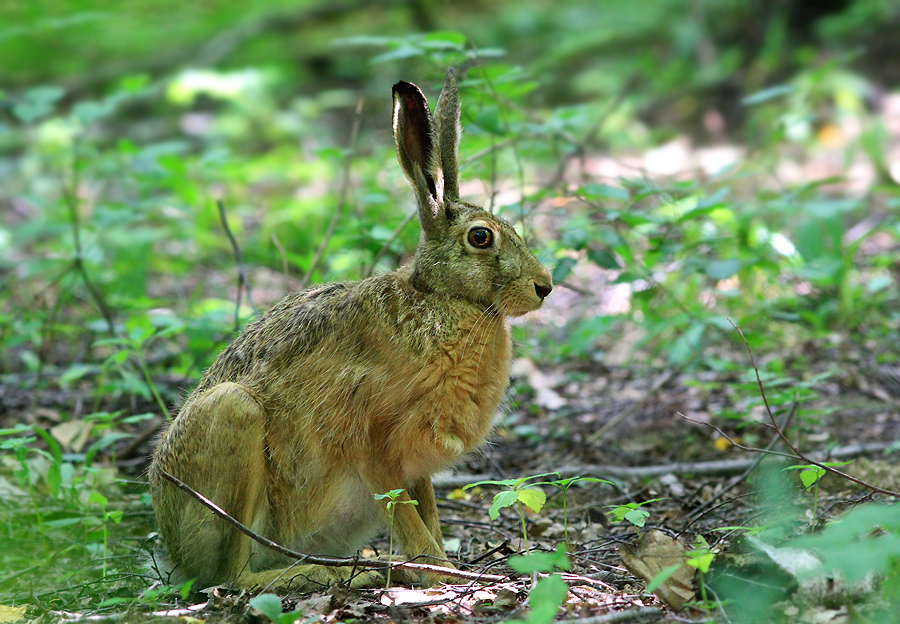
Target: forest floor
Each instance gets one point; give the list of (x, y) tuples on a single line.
[(646, 431)]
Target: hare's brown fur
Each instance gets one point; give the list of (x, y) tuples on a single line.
[(351, 389)]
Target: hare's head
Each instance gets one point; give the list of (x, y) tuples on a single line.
[(464, 251)]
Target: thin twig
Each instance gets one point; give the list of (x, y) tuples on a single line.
[(611, 471), (373, 564), (702, 509), (342, 201), (634, 614), (242, 271), (284, 262), (71, 196), (788, 443), (393, 237)]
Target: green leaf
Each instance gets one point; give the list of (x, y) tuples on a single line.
[(98, 498), (702, 561), (722, 269), (442, 40), (563, 268), (532, 498), (393, 494), (599, 192), (545, 599), (661, 577), (767, 94), (37, 103), (269, 605), (505, 483), (541, 561), (637, 517), (603, 259), (507, 498), (811, 476)]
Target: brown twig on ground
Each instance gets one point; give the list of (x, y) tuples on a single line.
[(711, 503), (796, 451), (243, 282), (658, 384), (635, 614), (342, 200), (707, 468), (327, 561)]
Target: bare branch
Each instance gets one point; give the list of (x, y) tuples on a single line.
[(327, 561), (242, 271), (799, 455)]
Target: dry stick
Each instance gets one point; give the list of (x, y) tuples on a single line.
[(610, 471), (798, 454), (342, 201), (661, 381), (242, 271), (327, 561), (710, 504)]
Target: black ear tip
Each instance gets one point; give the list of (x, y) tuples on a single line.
[(404, 89)]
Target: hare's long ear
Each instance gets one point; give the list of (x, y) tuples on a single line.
[(446, 116), (415, 136)]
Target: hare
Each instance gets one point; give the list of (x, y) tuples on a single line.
[(351, 389)]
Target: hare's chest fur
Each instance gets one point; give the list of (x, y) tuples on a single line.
[(403, 379)]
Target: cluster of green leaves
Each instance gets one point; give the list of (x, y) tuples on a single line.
[(60, 512)]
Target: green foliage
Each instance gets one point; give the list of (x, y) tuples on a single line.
[(564, 485), (270, 606), (123, 129), (631, 512), (393, 499), (550, 591), (516, 494)]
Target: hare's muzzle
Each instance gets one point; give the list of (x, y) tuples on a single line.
[(543, 290)]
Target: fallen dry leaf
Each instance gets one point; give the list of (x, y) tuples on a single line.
[(655, 552)]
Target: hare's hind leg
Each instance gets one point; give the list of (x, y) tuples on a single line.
[(216, 446)]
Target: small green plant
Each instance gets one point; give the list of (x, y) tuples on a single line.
[(631, 512), (393, 499), (701, 558), (550, 591), (270, 606), (564, 485), (516, 494), (810, 475)]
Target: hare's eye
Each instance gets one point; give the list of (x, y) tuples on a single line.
[(481, 237)]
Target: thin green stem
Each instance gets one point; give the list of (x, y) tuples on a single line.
[(153, 389)]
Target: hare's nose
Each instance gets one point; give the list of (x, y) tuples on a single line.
[(542, 291)]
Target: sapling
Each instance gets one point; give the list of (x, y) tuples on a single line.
[(392, 497), (564, 484), (516, 494)]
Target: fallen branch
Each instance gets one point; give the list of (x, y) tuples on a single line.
[(635, 614), (708, 468), (796, 451), (373, 564)]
